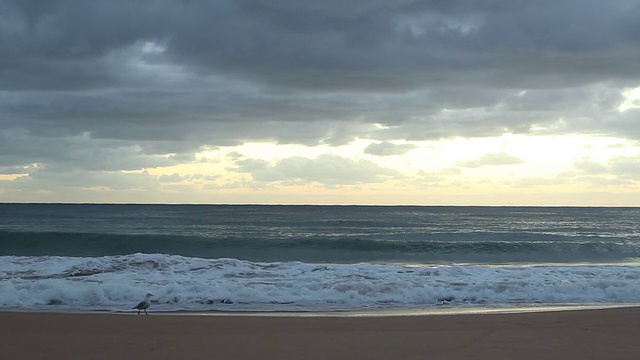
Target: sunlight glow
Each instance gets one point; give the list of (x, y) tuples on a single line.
[(508, 170), (632, 99)]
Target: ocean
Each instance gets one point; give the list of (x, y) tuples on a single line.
[(264, 258)]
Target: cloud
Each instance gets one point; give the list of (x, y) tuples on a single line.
[(623, 167), (386, 148), (71, 181), (121, 85), (500, 158), (329, 170), (618, 171), (590, 167), (425, 180), (80, 152), (627, 167), (173, 178)]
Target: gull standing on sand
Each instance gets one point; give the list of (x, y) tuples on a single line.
[(144, 304)]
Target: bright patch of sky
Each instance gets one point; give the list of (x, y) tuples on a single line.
[(631, 99)]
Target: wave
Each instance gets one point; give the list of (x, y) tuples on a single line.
[(435, 248), (116, 283)]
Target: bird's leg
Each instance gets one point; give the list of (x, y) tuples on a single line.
[(145, 312)]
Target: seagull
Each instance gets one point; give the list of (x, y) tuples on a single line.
[(144, 304)]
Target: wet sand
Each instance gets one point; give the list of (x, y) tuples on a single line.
[(581, 334)]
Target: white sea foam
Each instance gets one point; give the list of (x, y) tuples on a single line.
[(116, 283)]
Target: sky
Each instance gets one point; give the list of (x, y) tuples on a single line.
[(442, 102)]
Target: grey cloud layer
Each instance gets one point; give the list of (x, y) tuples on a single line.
[(338, 45), (113, 85)]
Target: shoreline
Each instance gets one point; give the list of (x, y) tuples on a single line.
[(436, 311), (585, 334)]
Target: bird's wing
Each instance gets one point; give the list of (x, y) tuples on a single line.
[(140, 305)]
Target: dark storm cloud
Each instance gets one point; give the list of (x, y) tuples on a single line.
[(358, 45), (117, 84)]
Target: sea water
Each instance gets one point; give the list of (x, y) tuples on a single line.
[(230, 258)]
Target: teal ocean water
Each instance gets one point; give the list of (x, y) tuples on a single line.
[(86, 257)]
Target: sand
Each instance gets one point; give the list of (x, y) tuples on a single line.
[(583, 334)]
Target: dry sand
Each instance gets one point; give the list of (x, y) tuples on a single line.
[(583, 334)]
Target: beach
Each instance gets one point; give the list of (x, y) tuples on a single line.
[(576, 334)]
